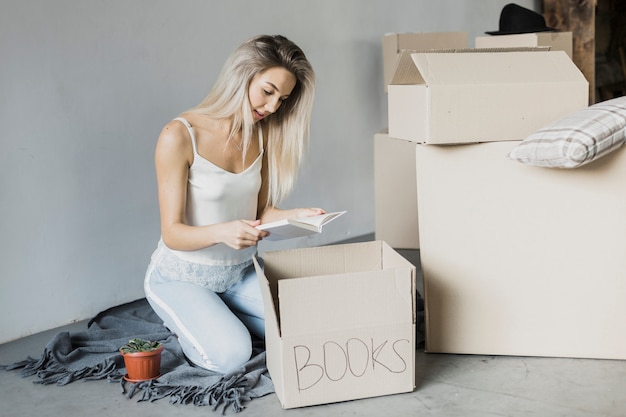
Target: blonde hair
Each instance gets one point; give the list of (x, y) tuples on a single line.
[(288, 128)]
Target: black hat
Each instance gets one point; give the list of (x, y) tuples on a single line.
[(515, 19)]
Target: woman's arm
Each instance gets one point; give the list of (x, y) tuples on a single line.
[(173, 157)]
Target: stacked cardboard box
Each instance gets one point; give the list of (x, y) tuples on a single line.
[(395, 217), (516, 260), (395, 202), (480, 95), (522, 260), (556, 41), (396, 199)]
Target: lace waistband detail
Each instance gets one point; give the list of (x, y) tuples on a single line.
[(217, 278)]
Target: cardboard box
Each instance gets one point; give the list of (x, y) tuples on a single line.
[(521, 260), (394, 43), (557, 41), (340, 322), (481, 96), (395, 192)]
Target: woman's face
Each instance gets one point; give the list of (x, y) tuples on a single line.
[(268, 89)]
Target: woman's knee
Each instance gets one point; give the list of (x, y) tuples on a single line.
[(223, 356), (233, 357)]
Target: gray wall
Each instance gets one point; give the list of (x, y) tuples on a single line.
[(85, 87)]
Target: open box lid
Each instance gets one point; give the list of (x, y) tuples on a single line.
[(394, 43), (328, 303), (485, 66), (313, 289)]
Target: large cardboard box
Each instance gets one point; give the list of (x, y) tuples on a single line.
[(394, 43), (481, 96), (557, 41), (395, 192), (340, 322), (521, 260)]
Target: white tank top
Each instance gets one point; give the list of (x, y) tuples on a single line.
[(215, 195)]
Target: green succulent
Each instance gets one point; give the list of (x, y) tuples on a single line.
[(140, 345)]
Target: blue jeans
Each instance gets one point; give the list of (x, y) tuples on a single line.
[(214, 329)]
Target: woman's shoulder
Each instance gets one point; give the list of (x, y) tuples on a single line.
[(174, 131), (175, 139)]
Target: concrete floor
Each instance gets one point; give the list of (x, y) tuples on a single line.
[(447, 385)]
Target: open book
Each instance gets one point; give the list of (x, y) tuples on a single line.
[(300, 226)]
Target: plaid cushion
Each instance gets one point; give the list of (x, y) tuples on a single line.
[(576, 139)]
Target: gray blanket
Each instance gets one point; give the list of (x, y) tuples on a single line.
[(93, 354)]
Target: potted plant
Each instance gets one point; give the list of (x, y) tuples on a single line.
[(142, 359)]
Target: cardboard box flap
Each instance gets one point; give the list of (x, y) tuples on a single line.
[(393, 259), (354, 300), (300, 286), (493, 68), (393, 43), (296, 263), (323, 260), (269, 304), (480, 66), (406, 72)]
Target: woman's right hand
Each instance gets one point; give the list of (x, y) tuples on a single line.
[(241, 234)]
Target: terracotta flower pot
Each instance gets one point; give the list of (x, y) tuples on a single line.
[(142, 366)]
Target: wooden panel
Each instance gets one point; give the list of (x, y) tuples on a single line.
[(577, 16)]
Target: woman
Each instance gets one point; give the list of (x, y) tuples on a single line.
[(222, 167)]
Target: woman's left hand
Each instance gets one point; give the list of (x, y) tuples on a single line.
[(274, 214), (308, 212)]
